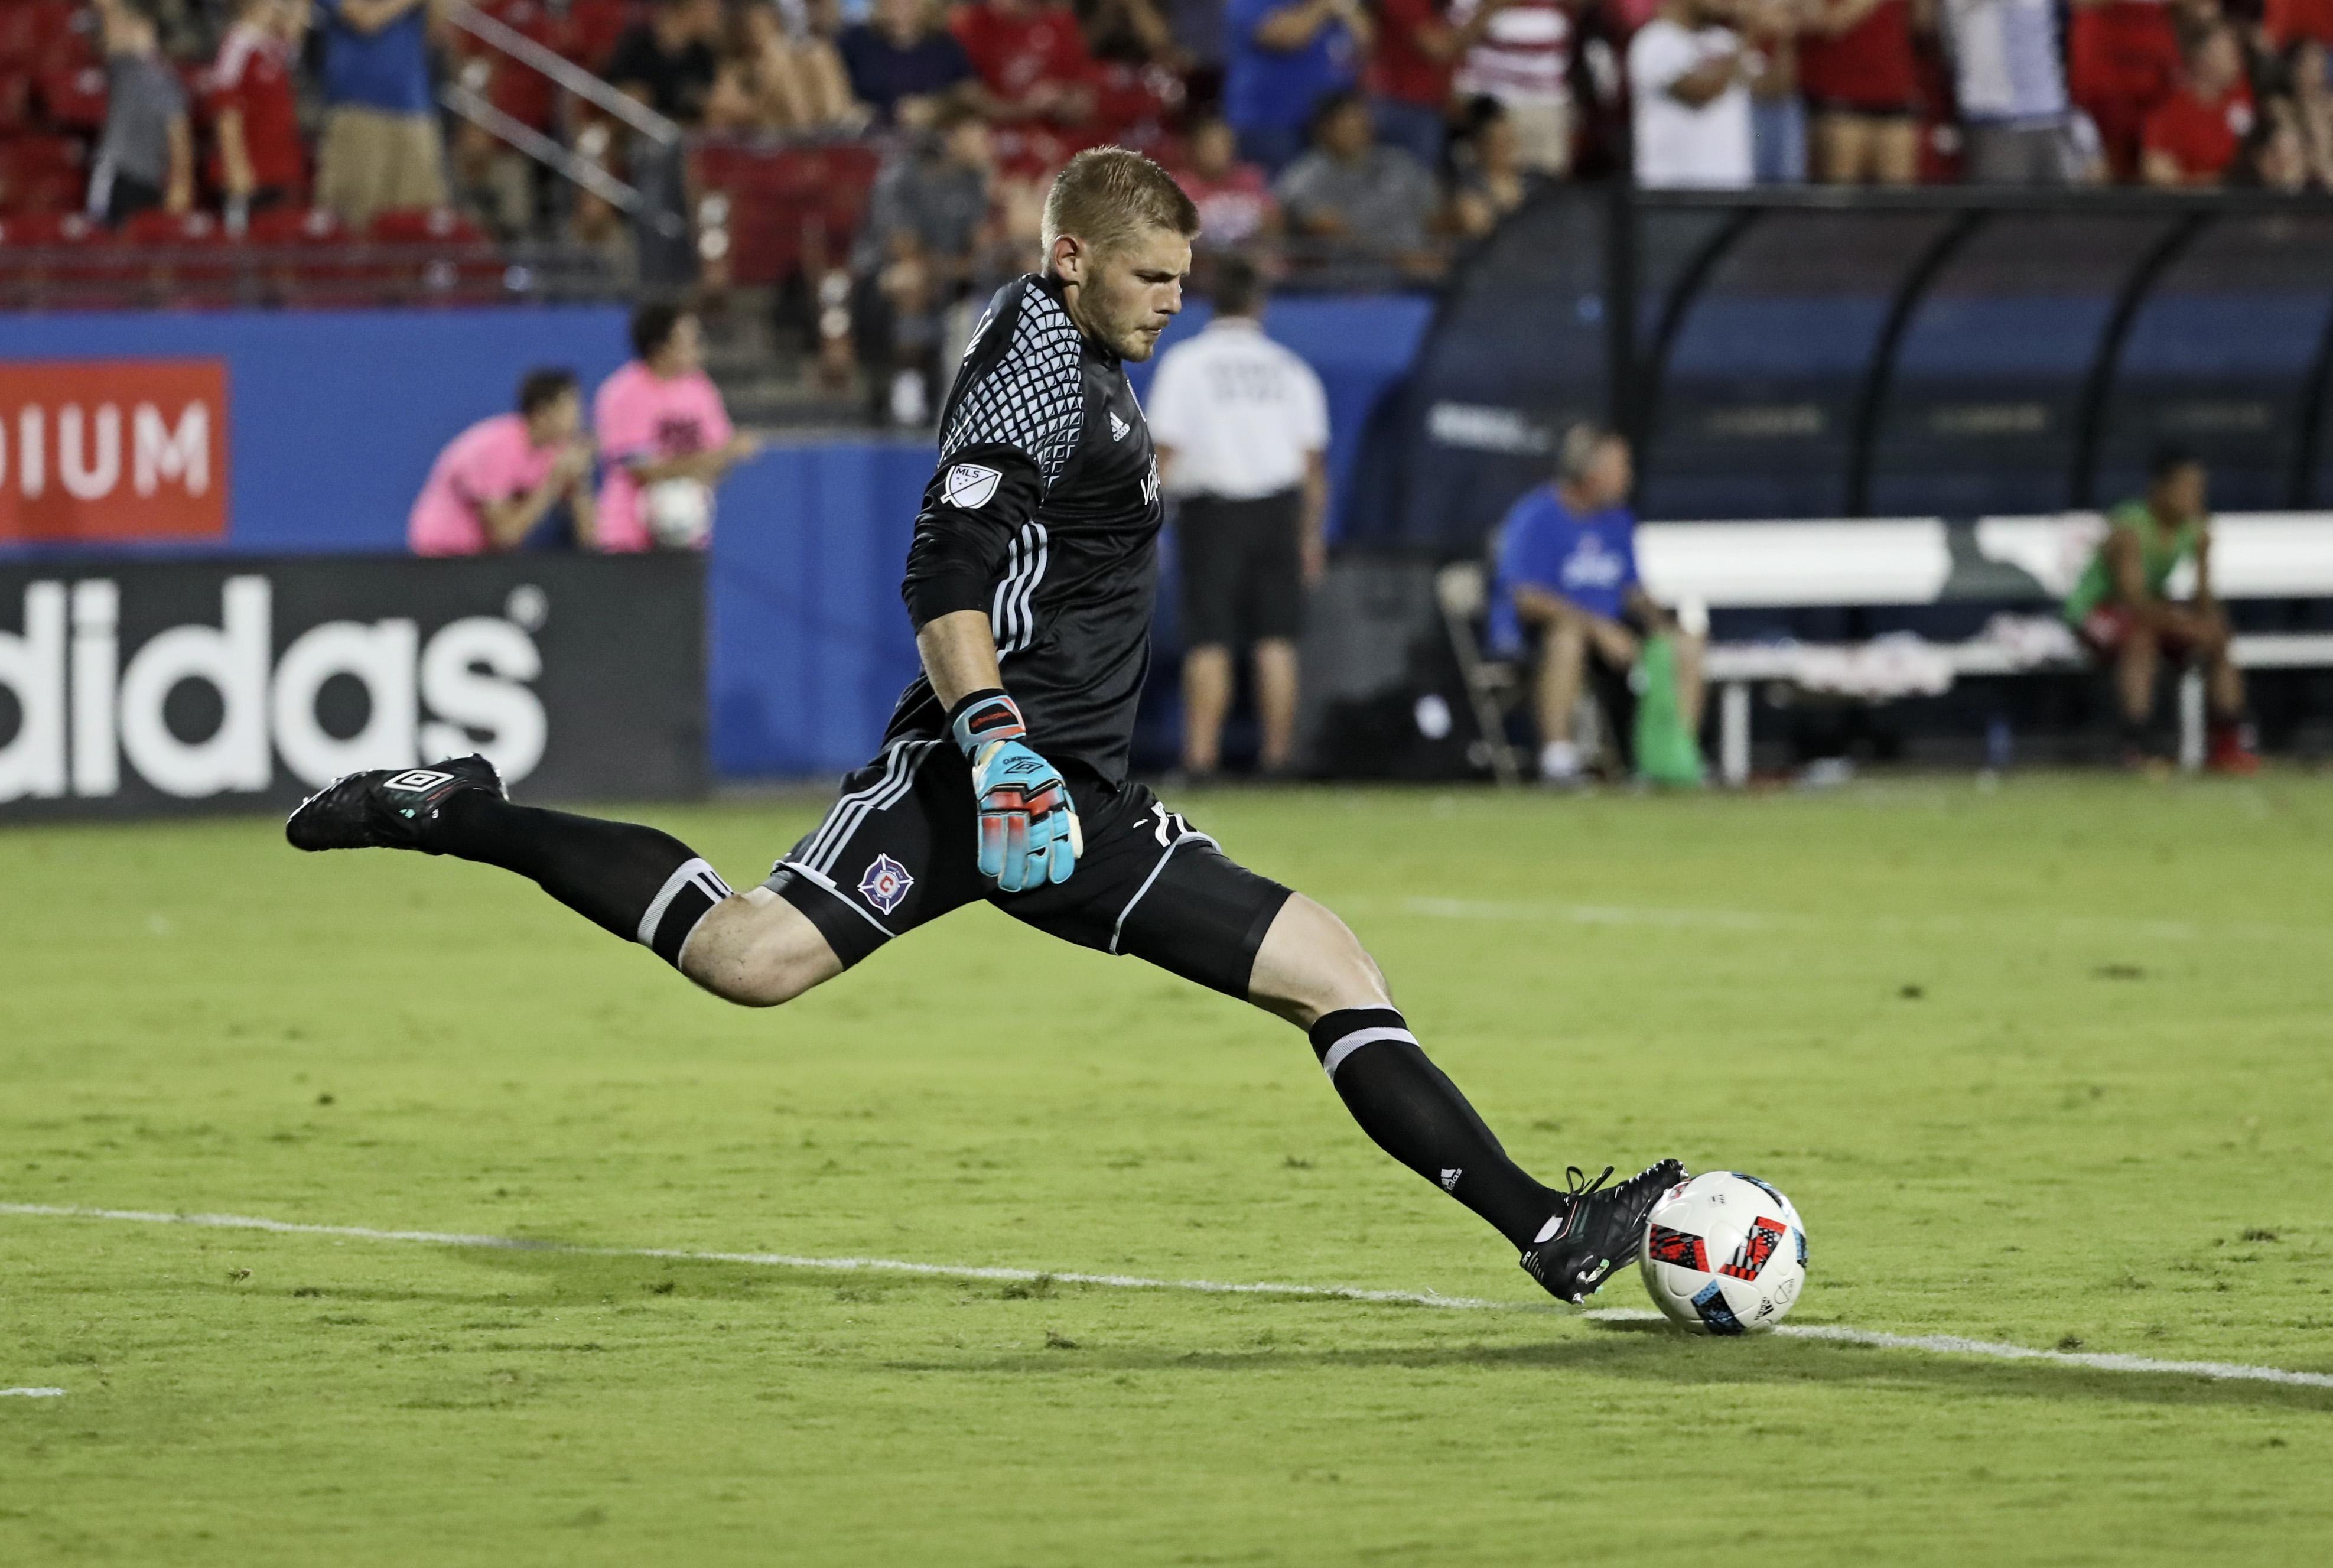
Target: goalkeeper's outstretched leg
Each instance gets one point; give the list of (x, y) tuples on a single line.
[(638, 882)]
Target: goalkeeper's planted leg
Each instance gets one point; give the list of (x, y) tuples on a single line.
[(1312, 971)]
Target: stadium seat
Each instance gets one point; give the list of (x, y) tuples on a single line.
[(174, 229), (74, 97), (435, 254), (593, 27), (51, 230), (296, 226), (15, 101), (58, 260), (788, 207), (25, 34), (519, 91), (181, 259), (41, 174), (310, 259), (429, 226)]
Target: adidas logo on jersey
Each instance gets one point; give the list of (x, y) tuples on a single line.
[(1450, 1179), (1117, 427)]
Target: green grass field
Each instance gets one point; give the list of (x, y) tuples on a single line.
[(2044, 1065)]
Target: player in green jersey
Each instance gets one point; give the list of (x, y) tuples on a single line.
[(2122, 609)]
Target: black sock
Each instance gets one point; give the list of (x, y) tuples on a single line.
[(1417, 1114), (644, 885)]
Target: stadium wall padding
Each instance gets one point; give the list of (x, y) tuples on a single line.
[(336, 416)]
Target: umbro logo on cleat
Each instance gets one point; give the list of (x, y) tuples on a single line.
[(1117, 427), (416, 781)]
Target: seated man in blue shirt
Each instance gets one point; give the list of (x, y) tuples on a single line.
[(1567, 579)]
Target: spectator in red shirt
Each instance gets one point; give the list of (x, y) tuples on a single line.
[(2289, 21), (2194, 136), (1236, 209), (1032, 57), (2122, 60), (1418, 51), (261, 161), (1858, 71)]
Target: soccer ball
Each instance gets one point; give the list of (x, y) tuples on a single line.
[(679, 512), (1724, 1254)]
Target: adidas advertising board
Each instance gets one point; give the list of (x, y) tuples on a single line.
[(132, 688)]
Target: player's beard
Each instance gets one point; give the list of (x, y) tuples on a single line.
[(1113, 311), (1122, 325)]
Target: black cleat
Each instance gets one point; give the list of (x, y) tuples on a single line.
[(387, 808), (1599, 1229)]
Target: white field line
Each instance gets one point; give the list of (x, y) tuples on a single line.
[(31, 1393), (1936, 1344), (2093, 926)]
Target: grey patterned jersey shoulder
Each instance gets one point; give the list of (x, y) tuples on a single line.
[(1031, 396)]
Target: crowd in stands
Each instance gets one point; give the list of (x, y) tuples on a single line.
[(1353, 142)]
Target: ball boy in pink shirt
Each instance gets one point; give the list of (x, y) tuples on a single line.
[(498, 479), (659, 420)]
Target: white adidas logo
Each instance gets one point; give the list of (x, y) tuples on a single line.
[(1117, 427), (1450, 1179)]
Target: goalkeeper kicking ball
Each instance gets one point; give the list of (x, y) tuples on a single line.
[(1724, 1254)]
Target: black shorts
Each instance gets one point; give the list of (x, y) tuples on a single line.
[(1243, 570), (898, 848)]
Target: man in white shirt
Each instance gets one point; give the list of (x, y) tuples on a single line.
[(1689, 82), (1242, 429)]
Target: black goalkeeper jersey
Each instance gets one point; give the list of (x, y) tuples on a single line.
[(1043, 513)]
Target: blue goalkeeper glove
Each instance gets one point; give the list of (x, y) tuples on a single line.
[(1029, 832)]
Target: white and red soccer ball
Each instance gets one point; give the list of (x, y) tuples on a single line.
[(1724, 1254)]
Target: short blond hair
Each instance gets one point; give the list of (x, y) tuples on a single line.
[(1105, 195)]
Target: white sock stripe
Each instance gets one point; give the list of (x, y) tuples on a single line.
[(680, 879), (899, 780), (1335, 1055)]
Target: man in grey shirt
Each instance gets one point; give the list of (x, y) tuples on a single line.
[(146, 159), (1360, 208), (926, 221)]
